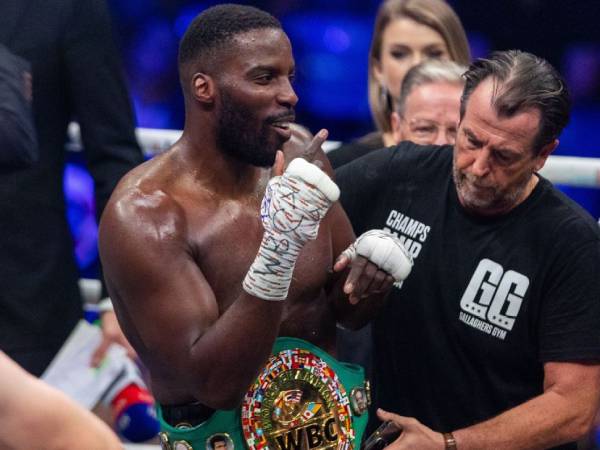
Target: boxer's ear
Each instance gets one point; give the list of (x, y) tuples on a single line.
[(203, 88)]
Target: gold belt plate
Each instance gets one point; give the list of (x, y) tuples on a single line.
[(297, 403)]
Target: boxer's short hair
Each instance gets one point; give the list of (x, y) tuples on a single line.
[(216, 27)]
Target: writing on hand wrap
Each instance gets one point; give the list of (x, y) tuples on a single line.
[(291, 212)]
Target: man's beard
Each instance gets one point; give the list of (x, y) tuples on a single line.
[(493, 201), (238, 136)]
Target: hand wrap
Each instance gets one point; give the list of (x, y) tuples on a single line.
[(384, 250), (291, 212)]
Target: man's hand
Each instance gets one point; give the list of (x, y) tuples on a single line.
[(111, 334), (414, 433), (302, 146), (291, 212), (296, 146), (377, 259)]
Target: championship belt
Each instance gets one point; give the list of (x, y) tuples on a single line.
[(303, 399)]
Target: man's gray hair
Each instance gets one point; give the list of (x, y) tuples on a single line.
[(428, 72)]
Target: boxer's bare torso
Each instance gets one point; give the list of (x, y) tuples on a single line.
[(181, 232), (215, 227)]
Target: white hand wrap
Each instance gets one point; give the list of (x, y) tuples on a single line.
[(385, 251), (291, 212)]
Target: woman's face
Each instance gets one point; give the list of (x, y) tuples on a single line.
[(406, 43)]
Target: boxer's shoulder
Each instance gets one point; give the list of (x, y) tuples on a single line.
[(160, 190), (146, 203), (144, 214)]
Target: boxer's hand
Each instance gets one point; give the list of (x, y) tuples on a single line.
[(299, 146), (278, 165), (414, 433), (377, 259), (291, 211), (295, 202), (311, 150)]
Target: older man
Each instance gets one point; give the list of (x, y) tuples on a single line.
[(493, 341), (427, 110)]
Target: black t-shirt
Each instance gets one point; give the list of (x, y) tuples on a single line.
[(489, 300)]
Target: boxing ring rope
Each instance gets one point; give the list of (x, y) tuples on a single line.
[(567, 170)]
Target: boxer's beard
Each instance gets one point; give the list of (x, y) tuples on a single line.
[(239, 135)]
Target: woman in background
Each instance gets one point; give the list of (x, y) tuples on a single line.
[(406, 33)]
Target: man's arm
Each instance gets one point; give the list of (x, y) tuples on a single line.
[(167, 307), (342, 236), (357, 287), (563, 413), (170, 313), (33, 415)]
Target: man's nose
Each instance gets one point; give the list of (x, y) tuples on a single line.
[(481, 164), (418, 58), (287, 96), (441, 138), (445, 136)]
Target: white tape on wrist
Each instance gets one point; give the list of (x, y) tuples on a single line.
[(385, 251), (311, 174), (291, 212)]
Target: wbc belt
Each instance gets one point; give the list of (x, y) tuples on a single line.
[(303, 399)]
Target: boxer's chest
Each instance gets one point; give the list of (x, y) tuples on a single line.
[(225, 242)]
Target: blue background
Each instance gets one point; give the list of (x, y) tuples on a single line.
[(330, 40)]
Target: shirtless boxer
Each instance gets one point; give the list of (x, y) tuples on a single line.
[(205, 274)]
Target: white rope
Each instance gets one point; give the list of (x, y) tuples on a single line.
[(573, 171), (567, 170)]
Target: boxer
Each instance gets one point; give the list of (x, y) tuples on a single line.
[(225, 261)]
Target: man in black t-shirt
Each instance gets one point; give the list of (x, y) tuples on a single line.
[(493, 341)]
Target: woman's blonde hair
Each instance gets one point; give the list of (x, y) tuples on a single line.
[(435, 14)]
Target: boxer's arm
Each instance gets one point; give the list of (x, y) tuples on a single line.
[(166, 306), (563, 413), (34, 415), (356, 288), (370, 265), (169, 312)]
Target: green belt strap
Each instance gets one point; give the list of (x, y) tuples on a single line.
[(229, 422)]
